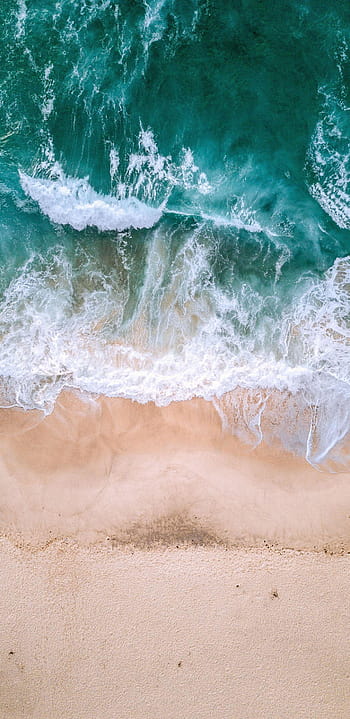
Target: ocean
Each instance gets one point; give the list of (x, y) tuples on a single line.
[(175, 210)]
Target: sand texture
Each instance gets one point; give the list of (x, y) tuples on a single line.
[(114, 470), (200, 633), (153, 566)]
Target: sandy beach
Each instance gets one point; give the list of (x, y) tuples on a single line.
[(154, 566), (99, 468), (174, 359)]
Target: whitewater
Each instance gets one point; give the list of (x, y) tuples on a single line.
[(175, 210)]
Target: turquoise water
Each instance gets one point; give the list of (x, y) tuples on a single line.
[(175, 209)]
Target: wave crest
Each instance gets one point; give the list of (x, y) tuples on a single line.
[(72, 201)]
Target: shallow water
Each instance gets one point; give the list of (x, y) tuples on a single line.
[(175, 209)]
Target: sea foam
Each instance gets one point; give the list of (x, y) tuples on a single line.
[(328, 157), (72, 201), (138, 196), (184, 339)]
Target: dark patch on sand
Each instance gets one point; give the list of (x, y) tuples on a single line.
[(169, 531)]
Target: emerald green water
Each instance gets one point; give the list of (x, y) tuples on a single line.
[(175, 209)]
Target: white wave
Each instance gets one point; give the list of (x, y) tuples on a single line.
[(328, 156), (21, 19), (220, 220), (138, 194), (113, 164), (49, 95), (72, 201), (331, 166), (234, 221), (186, 338), (150, 174), (321, 321)]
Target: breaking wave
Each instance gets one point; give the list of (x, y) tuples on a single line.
[(71, 201), (66, 329), (175, 210)]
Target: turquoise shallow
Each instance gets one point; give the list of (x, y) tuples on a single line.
[(175, 209)]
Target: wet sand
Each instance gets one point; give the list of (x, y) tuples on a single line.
[(154, 566), (149, 475)]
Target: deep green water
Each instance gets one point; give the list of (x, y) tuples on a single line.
[(175, 209)]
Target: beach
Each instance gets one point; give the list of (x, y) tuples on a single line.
[(174, 359), (102, 467), (197, 632), (154, 566)]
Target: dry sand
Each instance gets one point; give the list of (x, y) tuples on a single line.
[(177, 634), (152, 566)]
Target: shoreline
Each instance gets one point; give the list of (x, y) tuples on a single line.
[(149, 476), (152, 565)]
